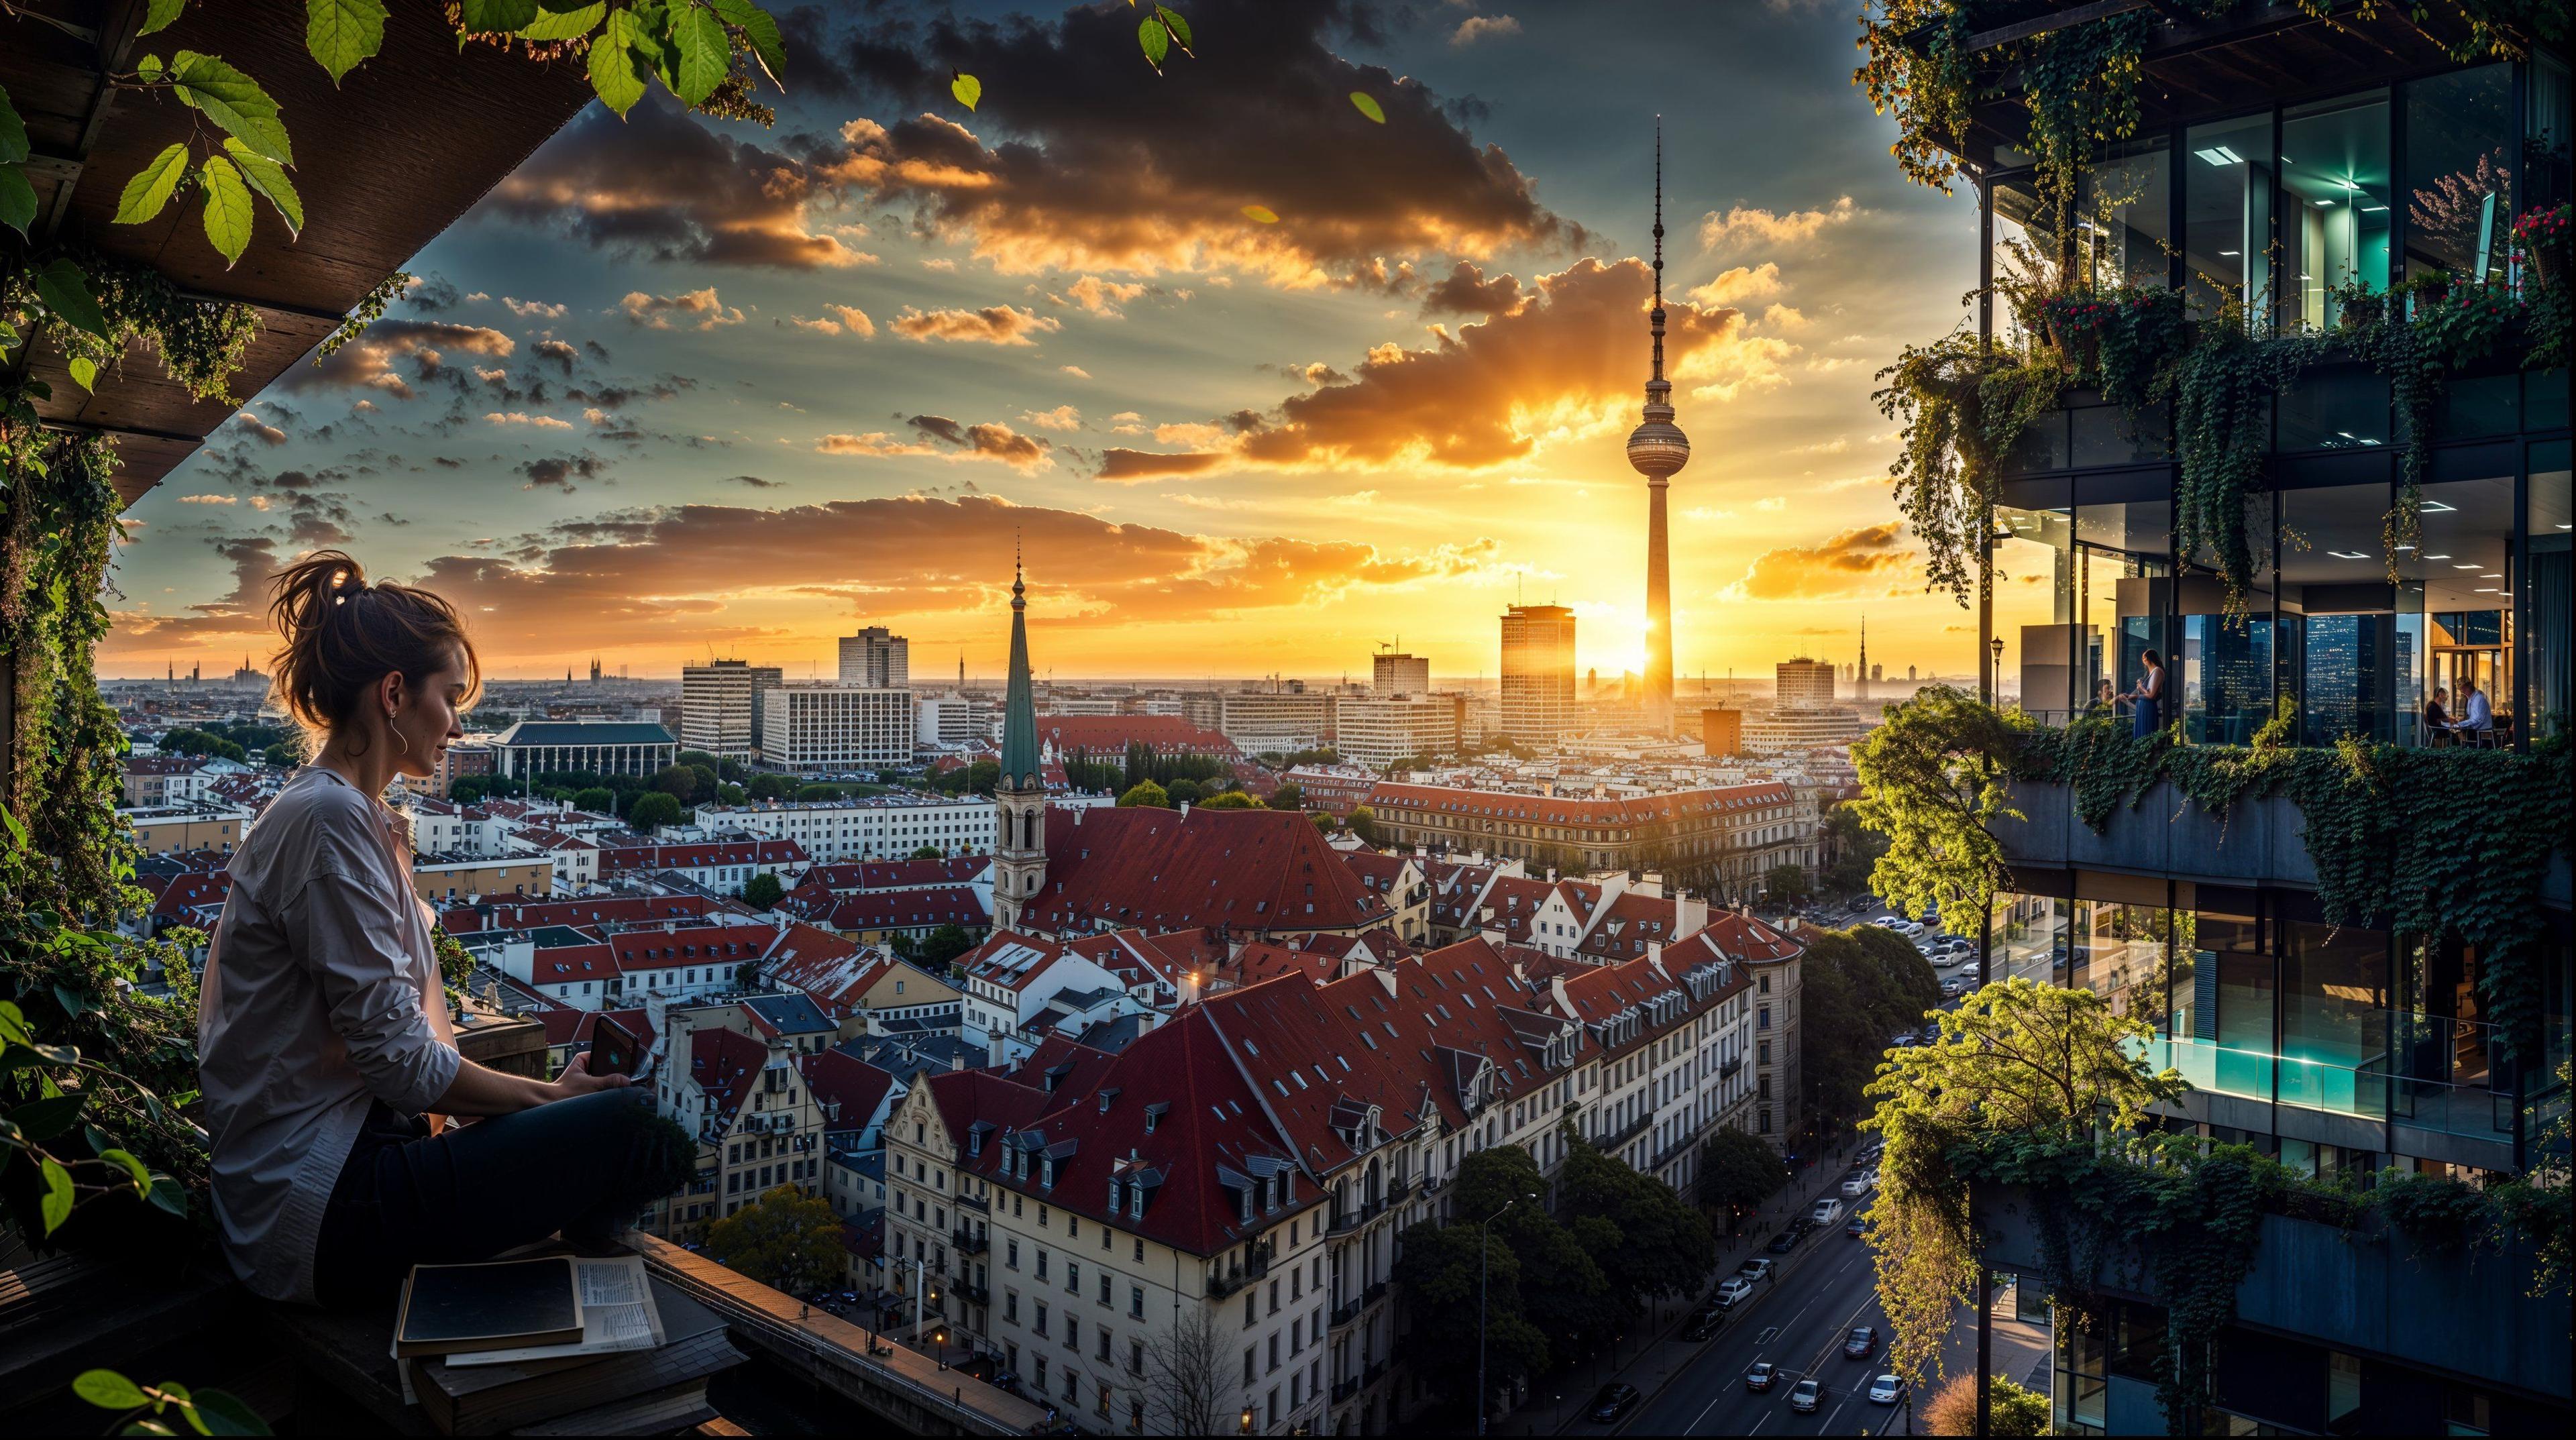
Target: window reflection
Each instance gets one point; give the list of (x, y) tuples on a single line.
[(2227, 661), (2341, 643), (2464, 576), (2022, 229), (2459, 174), (2125, 234), (2033, 608)]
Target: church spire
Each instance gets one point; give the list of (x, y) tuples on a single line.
[(1019, 703)]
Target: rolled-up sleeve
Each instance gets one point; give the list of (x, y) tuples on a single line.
[(354, 941)]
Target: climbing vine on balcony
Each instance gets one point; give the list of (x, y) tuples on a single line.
[(2428, 843), (1961, 408)]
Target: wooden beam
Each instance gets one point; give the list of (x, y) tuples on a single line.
[(74, 427), (2053, 21), (114, 42)]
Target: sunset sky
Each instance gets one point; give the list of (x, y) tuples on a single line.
[(681, 388)]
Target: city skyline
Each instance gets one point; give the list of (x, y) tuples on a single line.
[(752, 424)]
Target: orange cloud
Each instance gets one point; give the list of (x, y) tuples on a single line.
[(945, 439), (990, 325), (1869, 561)]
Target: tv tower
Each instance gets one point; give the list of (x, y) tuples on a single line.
[(1658, 449)]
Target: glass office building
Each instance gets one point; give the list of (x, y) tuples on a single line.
[(2275, 166)]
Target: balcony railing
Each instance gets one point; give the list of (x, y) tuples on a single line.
[(1345, 1389), (1373, 1294), (967, 1242), (1628, 1132), (1376, 1372), (1226, 1282), (1399, 1190), (1345, 1313)]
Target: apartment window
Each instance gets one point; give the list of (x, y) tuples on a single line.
[(1104, 1290), (1073, 1334), (1041, 1325), (1011, 1306), (1247, 1365), (1274, 1352), (1072, 1278)]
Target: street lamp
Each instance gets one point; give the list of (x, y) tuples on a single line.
[(1995, 692), (1484, 1238)]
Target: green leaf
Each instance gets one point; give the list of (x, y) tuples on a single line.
[(168, 1194), (762, 31), (42, 1120), (109, 1391), (227, 208), (966, 88), (1173, 22), (269, 178), (65, 290), (151, 186), (233, 101), (13, 1021), (57, 1206), (1156, 40), (343, 34), (74, 1002), (159, 15), (705, 53), (13, 131), (17, 199), (563, 25), (612, 64), (85, 373), (496, 17), (149, 67), (1368, 106), (147, 1427), (227, 1415), (133, 1167)]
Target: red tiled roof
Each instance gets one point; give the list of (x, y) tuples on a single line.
[(1249, 869), (1573, 809), (900, 910), (182, 893), (620, 909), (856, 1086), (726, 1065), (571, 964), (1630, 924), (895, 874), (727, 945)]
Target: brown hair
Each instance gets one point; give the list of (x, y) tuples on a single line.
[(343, 635)]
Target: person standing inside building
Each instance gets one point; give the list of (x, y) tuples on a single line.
[(2150, 696), (326, 1054)]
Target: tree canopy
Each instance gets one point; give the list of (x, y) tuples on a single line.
[(1231, 800), (1439, 1271), (1291, 796), (2033, 1061), (785, 1240), (1786, 884), (1146, 792), (762, 891), (1363, 823), (652, 810), (1660, 1247), (1738, 1170), (1933, 779), (1862, 987)]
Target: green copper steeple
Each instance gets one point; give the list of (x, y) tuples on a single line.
[(1020, 705)]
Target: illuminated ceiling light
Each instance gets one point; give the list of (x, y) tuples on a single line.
[(2231, 252), (2437, 557), (2348, 185), (2220, 155), (2374, 209), (2347, 555), (2436, 507), (2563, 525), (2486, 590), (2491, 576), (2462, 567)]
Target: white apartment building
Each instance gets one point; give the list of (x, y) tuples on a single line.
[(1380, 729), (716, 706), (876, 659), (833, 729), (943, 720), (1260, 721), (1800, 727), (876, 827)]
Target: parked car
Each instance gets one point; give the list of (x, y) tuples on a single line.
[(1705, 1321), (1804, 1396), (1856, 1227), (1761, 1375), (1826, 1212), (1786, 1241), (1756, 1270), (1952, 989), (1887, 922), (1732, 1291), (1886, 1390), (1616, 1399), (1861, 1343)]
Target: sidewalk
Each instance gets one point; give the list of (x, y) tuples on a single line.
[(1653, 1353)]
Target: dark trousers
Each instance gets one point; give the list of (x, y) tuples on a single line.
[(583, 1166)]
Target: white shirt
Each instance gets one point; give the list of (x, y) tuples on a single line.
[(2481, 715), (321, 995)]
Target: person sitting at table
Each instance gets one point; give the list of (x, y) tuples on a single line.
[(2437, 718), (2477, 717)]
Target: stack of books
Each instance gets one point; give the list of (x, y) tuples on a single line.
[(556, 1345)]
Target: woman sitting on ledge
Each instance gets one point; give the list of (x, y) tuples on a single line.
[(326, 1054)]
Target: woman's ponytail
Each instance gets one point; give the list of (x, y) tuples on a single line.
[(342, 635)]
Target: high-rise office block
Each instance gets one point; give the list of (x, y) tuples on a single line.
[(1400, 674), (1803, 682), (877, 659), (716, 704), (1538, 674)]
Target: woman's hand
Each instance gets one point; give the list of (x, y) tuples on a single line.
[(576, 1079)]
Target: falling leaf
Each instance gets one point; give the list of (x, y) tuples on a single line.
[(1367, 104), (1262, 213), (966, 88)]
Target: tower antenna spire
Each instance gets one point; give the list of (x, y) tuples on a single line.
[(1657, 449)]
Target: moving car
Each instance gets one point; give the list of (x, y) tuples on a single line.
[(1732, 1291), (1862, 1343), (1856, 1227), (1952, 989), (1855, 1184), (1757, 1269), (1784, 1242), (1804, 1395), (1707, 1320), (1886, 1390), (1827, 1212), (1761, 1375), (1616, 1399)]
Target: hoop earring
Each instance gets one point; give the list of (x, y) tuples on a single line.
[(397, 733)]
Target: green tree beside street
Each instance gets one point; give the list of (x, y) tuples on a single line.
[(785, 1240)]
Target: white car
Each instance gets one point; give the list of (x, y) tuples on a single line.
[(1733, 1291), (1827, 1212), (1856, 1187), (1887, 922), (1952, 989), (1886, 1390)]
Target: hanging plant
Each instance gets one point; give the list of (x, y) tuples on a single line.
[(2224, 386), (1962, 408)]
